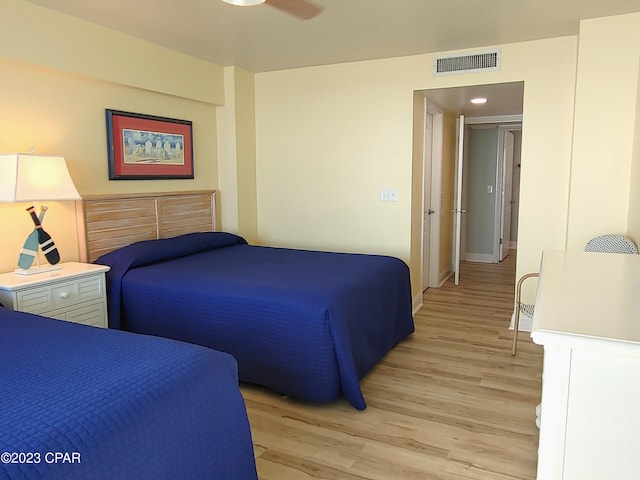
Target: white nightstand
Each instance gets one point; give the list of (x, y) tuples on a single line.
[(75, 293)]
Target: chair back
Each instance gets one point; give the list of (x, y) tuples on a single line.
[(611, 244)]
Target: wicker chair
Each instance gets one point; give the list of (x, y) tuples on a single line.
[(611, 243)]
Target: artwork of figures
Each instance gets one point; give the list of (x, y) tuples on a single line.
[(152, 147), (145, 147)]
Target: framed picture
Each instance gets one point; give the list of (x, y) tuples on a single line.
[(145, 147)]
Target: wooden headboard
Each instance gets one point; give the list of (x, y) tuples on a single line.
[(108, 222)]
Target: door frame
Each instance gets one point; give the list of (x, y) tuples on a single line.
[(500, 181), (459, 194), (435, 200), (503, 122)]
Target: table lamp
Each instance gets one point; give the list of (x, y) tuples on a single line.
[(30, 178)]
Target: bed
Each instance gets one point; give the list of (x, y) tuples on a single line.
[(306, 324), (80, 402)]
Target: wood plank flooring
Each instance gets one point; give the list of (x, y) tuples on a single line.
[(448, 403)]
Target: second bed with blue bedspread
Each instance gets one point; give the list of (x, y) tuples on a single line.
[(307, 324)]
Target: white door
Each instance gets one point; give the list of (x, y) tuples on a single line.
[(427, 210), (507, 203), (457, 206)]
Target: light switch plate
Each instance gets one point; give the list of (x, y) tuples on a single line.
[(389, 195)]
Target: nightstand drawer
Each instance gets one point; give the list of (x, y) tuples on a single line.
[(34, 300), (60, 295), (88, 314)]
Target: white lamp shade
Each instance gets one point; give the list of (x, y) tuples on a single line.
[(26, 178), (244, 3)]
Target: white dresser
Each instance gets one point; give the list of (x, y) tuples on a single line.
[(76, 293), (587, 317)]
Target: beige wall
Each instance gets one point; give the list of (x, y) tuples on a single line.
[(44, 37), (54, 90), (246, 139), (606, 114), (237, 155), (329, 138), (342, 132), (633, 229)]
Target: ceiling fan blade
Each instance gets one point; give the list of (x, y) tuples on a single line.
[(298, 8)]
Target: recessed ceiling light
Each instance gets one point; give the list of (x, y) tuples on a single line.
[(244, 3), (478, 100)]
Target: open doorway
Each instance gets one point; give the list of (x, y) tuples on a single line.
[(503, 106), (489, 199)]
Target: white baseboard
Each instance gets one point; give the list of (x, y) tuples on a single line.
[(526, 322), (479, 257), (417, 303), (444, 276)]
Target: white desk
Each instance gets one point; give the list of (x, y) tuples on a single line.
[(587, 317)]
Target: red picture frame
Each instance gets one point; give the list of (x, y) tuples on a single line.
[(147, 147)]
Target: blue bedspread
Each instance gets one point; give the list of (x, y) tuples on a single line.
[(306, 324), (80, 402)]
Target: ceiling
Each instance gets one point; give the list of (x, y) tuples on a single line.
[(261, 38), (502, 99)]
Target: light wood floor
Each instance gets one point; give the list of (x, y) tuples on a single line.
[(448, 403)]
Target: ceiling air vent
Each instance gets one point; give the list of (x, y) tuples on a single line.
[(482, 61)]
